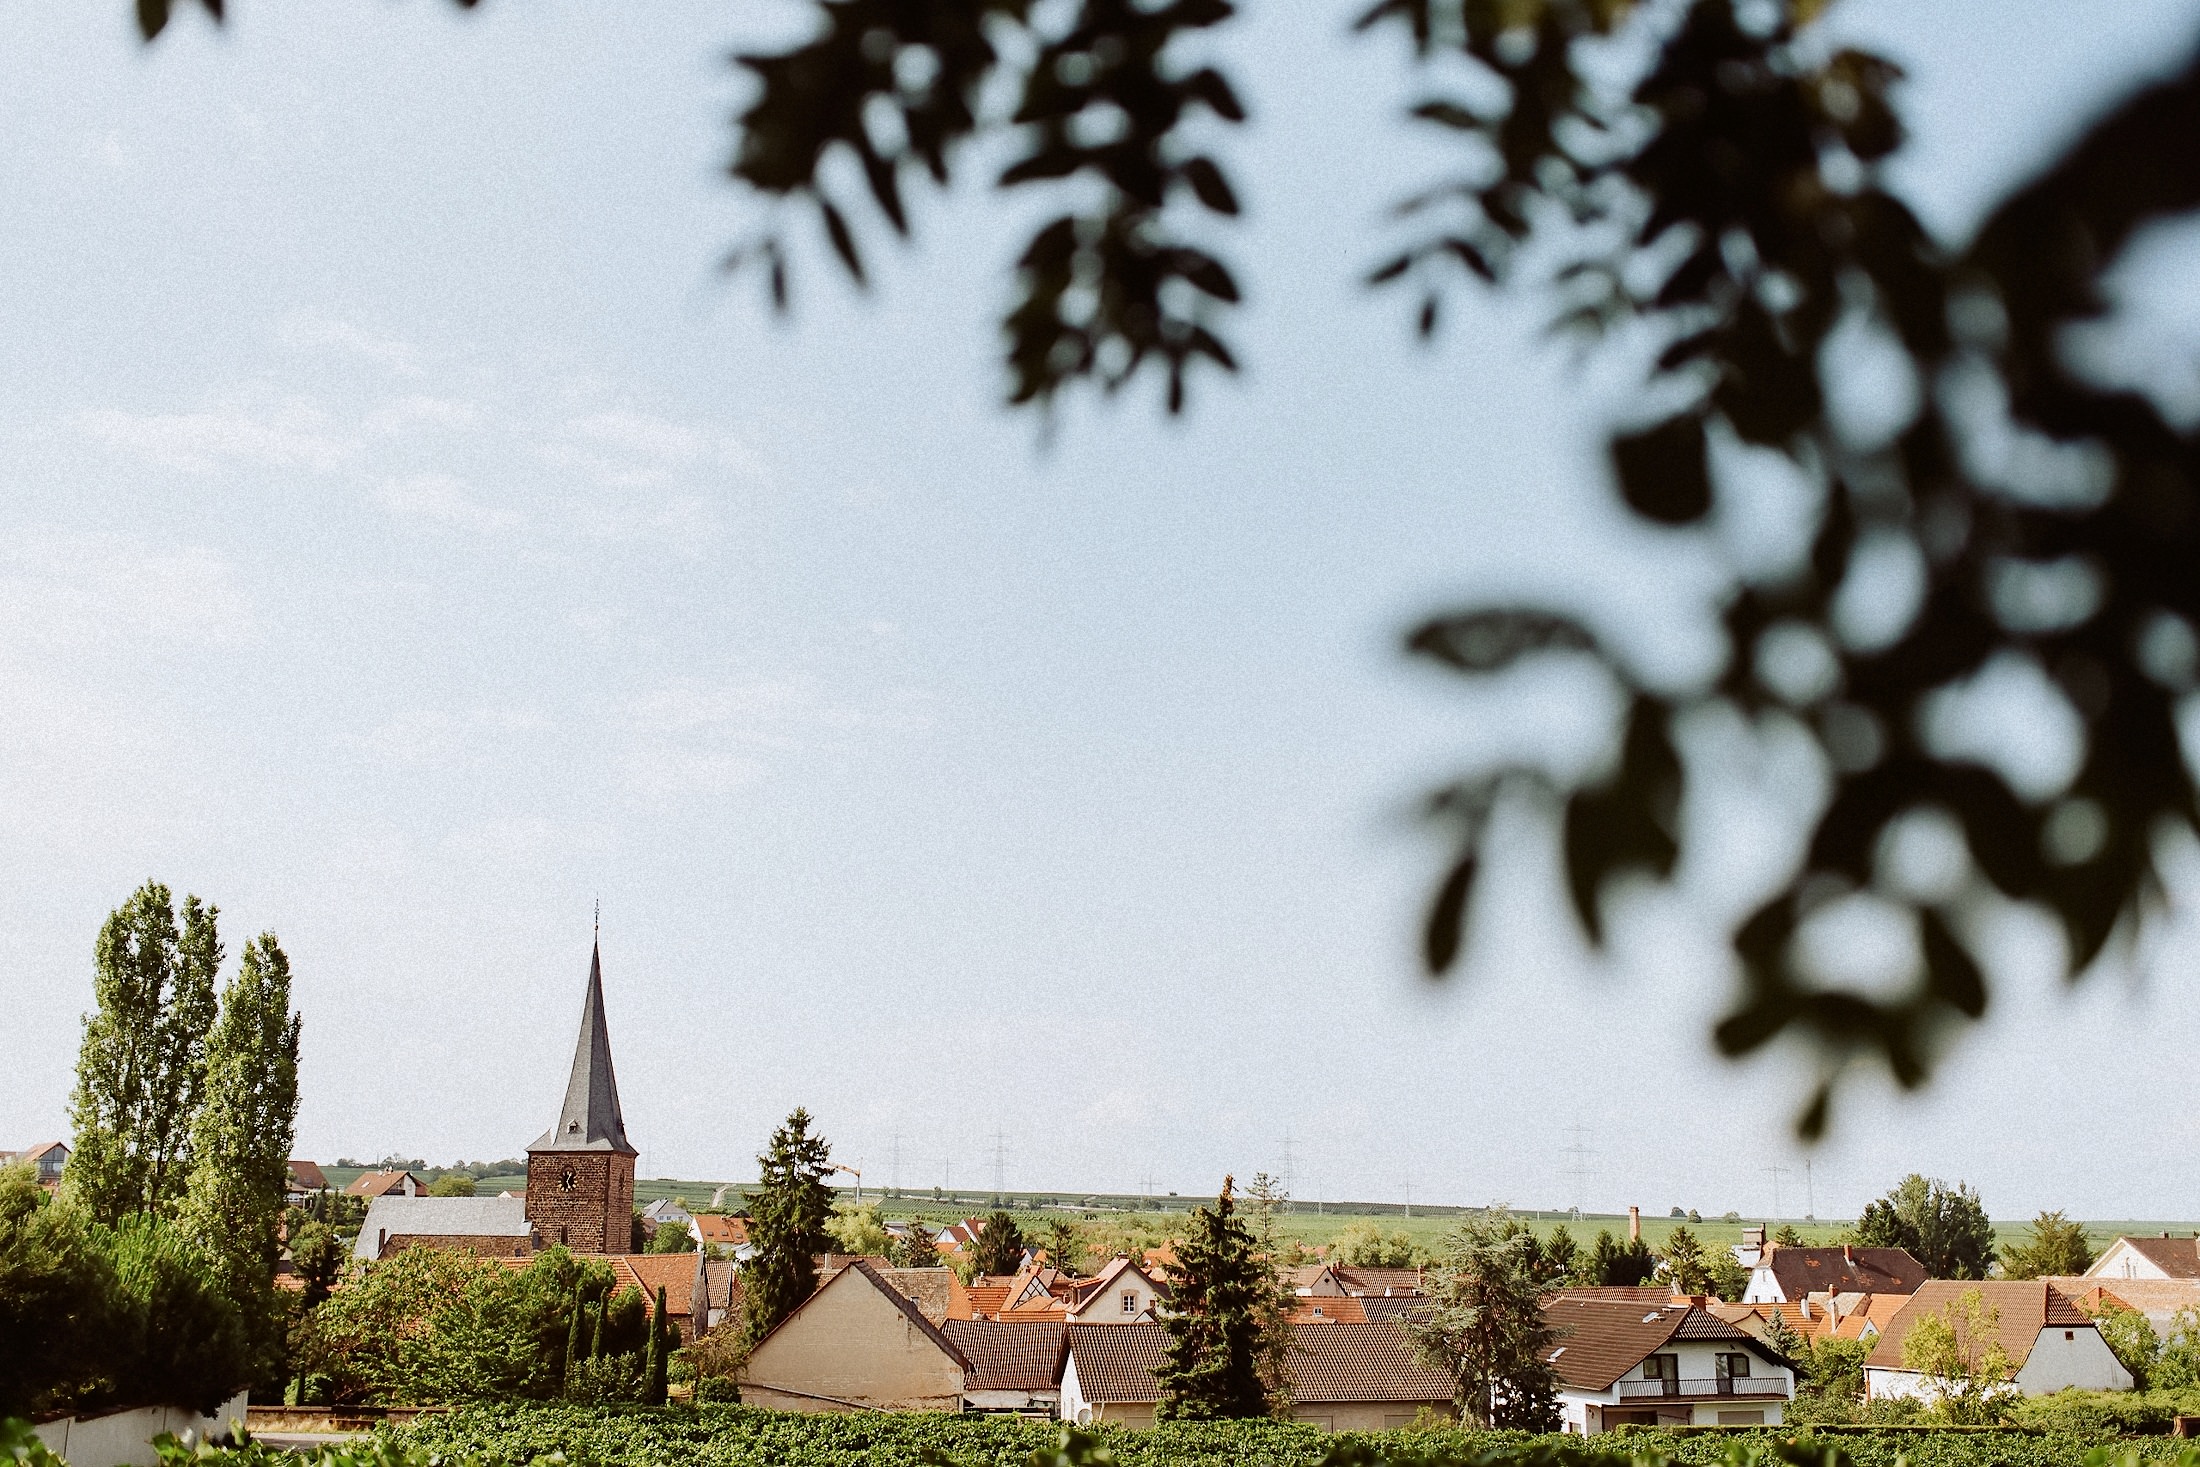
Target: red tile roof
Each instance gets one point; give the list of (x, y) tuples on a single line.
[(724, 1231), (673, 1272), (2023, 1307), (1329, 1309), (374, 1184), (308, 1176)]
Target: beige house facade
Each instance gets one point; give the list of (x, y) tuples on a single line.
[(856, 1345)]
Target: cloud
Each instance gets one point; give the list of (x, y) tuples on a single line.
[(303, 329), (699, 739), (73, 591), (425, 737), (291, 436), (442, 499)]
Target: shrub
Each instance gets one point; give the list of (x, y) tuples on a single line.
[(179, 1339), (57, 1298)]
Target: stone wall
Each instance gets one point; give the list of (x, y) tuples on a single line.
[(582, 1199)]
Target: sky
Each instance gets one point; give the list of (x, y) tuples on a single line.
[(413, 539)]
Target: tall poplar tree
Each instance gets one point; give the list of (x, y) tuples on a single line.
[(142, 1064), (787, 1218), (241, 1138), (1228, 1323)]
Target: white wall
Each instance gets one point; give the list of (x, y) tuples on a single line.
[(1764, 1287), (2082, 1360), (2122, 1261), (125, 1438)]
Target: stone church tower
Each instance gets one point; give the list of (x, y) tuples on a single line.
[(580, 1172)]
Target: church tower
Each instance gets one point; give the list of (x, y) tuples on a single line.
[(580, 1172)]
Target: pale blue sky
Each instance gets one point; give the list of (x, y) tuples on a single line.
[(412, 538)]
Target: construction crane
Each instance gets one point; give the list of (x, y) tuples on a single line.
[(851, 1171)]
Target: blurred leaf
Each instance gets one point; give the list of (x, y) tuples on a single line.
[(1663, 473)]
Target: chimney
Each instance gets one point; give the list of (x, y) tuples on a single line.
[(1634, 1225), (1848, 1254)]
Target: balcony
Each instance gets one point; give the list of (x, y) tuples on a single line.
[(1708, 1388)]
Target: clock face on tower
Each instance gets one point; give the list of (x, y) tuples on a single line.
[(566, 1182)]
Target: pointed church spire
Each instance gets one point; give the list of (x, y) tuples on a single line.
[(590, 1119)]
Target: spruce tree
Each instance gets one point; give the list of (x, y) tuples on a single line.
[(917, 1248), (1000, 1248), (142, 1063), (787, 1218), (241, 1138), (1227, 1321), (576, 1333)]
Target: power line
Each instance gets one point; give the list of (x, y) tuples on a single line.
[(1000, 1166), (1776, 1171), (1578, 1155), (893, 1174), (1810, 1200)]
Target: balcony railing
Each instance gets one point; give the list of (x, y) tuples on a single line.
[(1723, 1385)]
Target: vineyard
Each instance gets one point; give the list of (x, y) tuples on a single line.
[(736, 1436)]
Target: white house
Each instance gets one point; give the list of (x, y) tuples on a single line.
[(1121, 1293), (2148, 1258), (1789, 1275), (2049, 1340), (1624, 1363)]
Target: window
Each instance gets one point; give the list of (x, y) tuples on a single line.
[(1662, 1367), (2070, 1334), (1130, 1301), (1734, 1366)]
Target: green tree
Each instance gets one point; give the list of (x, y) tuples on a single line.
[(1726, 1276), (1686, 1266), (1615, 1264), (2131, 1336), (1000, 1245), (241, 1140), (1364, 1244), (1833, 1369), (916, 1247), (317, 1255), (1227, 1327), (452, 1184), (1783, 1339), (1786, 1236), (1561, 1255), (857, 1228), (142, 1064), (2057, 1248), (657, 1347), (1966, 1370), (787, 1217), (57, 1299), (1485, 1326), (1945, 1228), (2177, 1364), (1065, 1246), (180, 1339), (671, 1238)]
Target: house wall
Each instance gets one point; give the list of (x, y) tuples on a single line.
[(1106, 1307), (2082, 1360), (2122, 1261), (1137, 1415), (851, 1344), (1764, 1287), (125, 1438), (597, 1215)]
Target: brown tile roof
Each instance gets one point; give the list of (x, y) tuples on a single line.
[(726, 1232), (1867, 1312), (2157, 1299), (2024, 1306), (374, 1184), (2177, 1257), (1600, 1340), (1329, 1309), (1844, 1270), (1756, 1319), (308, 1176), (1009, 1357), (1116, 1362), (1655, 1297), (977, 1301), (1376, 1307), (1361, 1362), (649, 1272), (1390, 1282)]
